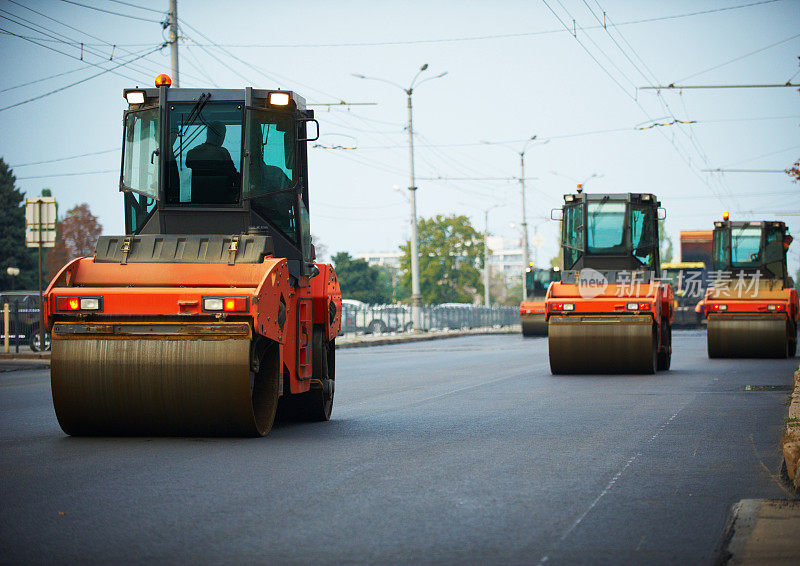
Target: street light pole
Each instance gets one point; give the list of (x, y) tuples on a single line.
[(524, 223), (416, 295)]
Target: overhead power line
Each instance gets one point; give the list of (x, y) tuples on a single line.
[(132, 5), (744, 170), (740, 57), (64, 158), (685, 87), (104, 71), (112, 12), (489, 36), (70, 174)]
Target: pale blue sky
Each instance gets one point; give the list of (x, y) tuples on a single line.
[(497, 88)]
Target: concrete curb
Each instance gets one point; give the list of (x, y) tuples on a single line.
[(422, 337), (791, 440), (25, 356), (761, 531)]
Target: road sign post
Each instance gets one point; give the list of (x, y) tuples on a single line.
[(40, 232)]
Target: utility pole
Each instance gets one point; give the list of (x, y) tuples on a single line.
[(524, 225), (416, 295), (172, 21), (525, 249), (486, 258)]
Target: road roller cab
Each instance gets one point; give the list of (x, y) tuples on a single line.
[(210, 307), (752, 305), (531, 311), (611, 312)]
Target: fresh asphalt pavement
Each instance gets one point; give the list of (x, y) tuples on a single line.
[(458, 450)]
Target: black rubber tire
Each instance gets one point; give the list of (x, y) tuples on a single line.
[(316, 404), (376, 327), (33, 342), (665, 357)]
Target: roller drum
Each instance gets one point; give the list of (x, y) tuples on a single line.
[(742, 336), (602, 344), (534, 325), (110, 382)]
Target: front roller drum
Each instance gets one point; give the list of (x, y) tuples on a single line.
[(161, 379), (534, 325), (602, 344), (743, 336)]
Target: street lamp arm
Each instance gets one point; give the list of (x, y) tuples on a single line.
[(359, 76), (439, 76)]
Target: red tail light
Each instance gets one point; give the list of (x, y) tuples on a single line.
[(235, 304), (68, 303), (644, 306)]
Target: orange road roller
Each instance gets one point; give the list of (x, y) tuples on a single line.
[(611, 312), (752, 306), (531, 311), (209, 314)]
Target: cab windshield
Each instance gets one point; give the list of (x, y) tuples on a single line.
[(606, 228), (204, 154), (745, 247), (539, 280)]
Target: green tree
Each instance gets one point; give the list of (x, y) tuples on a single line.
[(13, 252), (361, 281), (450, 260)]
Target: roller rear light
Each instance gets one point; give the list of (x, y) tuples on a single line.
[(225, 304), (714, 307), (79, 304), (562, 307)]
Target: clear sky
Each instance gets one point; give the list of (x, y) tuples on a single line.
[(513, 71)]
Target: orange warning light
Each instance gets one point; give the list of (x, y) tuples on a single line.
[(725, 216), (163, 80)]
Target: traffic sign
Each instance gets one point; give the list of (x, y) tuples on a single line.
[(40, 222)]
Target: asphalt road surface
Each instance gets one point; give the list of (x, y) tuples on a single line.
[(458, 450)]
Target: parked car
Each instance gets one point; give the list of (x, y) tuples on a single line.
[(353, 316), (24, 319), (388, 318)]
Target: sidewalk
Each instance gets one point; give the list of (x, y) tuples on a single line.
[(15, 364), (763, 531), (767, 531)]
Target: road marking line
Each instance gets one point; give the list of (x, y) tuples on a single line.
[(608, 488)]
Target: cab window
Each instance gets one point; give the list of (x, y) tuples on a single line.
[(269, 179), (572, 234)]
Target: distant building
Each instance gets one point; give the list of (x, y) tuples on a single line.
[(382, 259), (505, 256)]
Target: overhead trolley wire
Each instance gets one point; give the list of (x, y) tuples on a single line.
[(740, 57), (104, 71), (64, 158), (112, 12), (139, 68), (132, 5)]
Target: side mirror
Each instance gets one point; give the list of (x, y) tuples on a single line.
[(662, 213), (557, 214), (308, 138)]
